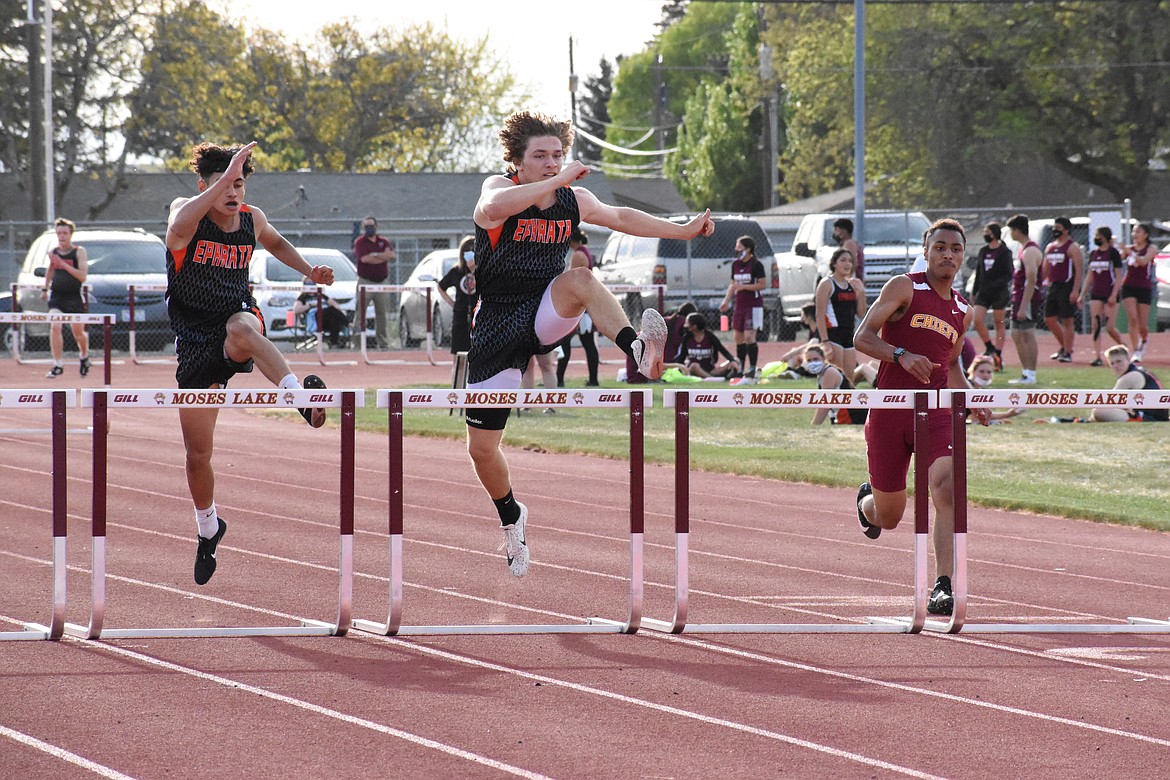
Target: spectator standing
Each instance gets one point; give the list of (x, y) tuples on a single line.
[(840, 302), (1064, 264), (67, 271), (1026, 299), (580, 257), (1138, 287), (746, 292), (843, 235), (992, 290), (1103, 280), (372, 252), (462, 278)]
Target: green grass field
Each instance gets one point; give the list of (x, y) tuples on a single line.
[(1117, 473)]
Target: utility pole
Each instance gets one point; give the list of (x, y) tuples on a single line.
[(36, 141), (573, 98), (659, 103), (859, 120)]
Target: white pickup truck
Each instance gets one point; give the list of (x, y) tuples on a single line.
[(891, 242)]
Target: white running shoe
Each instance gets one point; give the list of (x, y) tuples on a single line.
[(1023, 380), (650, 345), (1140, 352), (515, 544)]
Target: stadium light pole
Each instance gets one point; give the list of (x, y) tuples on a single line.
[(859, 119)]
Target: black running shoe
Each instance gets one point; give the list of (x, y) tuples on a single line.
[(84, 366), (868, 528), (314, 417), (942, 602), (205, 555), (54, 371)]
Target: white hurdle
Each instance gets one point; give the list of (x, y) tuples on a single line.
[(24, 317), (57, 401), (1030, 398), (394, 288), (395, 401), (296, 287), (758, 398), (132, 323), (170, 398)]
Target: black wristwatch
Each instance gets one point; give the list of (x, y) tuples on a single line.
[(898, 353)]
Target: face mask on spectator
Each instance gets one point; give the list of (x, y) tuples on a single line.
[(979, 381), (814, 366), (371, 231)]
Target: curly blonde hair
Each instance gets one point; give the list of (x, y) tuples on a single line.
[(523, 126)]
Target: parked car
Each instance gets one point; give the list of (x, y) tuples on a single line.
[(891, 242), (117, 259), (275, 304), (703, 277), (412, 309)]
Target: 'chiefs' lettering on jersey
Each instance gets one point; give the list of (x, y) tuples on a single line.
[(543, 231), (931, 326)]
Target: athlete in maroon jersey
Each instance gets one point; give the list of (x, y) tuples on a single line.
[(1138, 287), (745, 295), (218, 332), (915, 329), (1103, 280), (528, 302), (1026, 299), (1064, 264)]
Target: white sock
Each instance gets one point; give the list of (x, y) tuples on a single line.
[(208, 521), (58, 363), (290, 382), (1029, 374)]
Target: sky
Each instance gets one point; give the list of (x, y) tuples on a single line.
[(532, 36)]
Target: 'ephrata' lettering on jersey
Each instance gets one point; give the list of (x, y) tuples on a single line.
[(930, 322), (222, 255), (543, 231)]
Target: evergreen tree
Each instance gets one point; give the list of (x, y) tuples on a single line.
[(593, 111)]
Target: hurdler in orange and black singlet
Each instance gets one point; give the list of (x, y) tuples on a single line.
[(207, 282), (514, 264)]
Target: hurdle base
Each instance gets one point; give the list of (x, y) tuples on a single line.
[(31, 631), (242, 631), (1154, 627), (1141, 621), (597, 627), (777, 628)]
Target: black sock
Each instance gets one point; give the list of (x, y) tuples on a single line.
[(507, 508), (741, 353), (991, 350), (753, 353), (625, 338)]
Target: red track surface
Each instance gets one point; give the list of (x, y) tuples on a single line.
[(988, 706)]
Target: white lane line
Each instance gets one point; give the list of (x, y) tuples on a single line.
[(62, 754), (316, 709)]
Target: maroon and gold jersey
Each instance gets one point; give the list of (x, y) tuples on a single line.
[(930, 326)]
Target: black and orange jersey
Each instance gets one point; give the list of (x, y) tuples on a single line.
[(209, 277), (517, 260)]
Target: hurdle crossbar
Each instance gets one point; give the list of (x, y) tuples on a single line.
[(24, 317), (101, 401), (394, 288), (1029, 398), (395, 401), (57, 401), (132, 323), (683, 401)]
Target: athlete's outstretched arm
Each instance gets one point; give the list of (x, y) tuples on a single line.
[(280, 247), (639, 223), (500, 197), (892, 303)]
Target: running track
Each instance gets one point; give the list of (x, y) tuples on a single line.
[(987, 706)]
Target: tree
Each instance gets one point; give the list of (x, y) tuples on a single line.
[(719, 162), (593, 111)]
